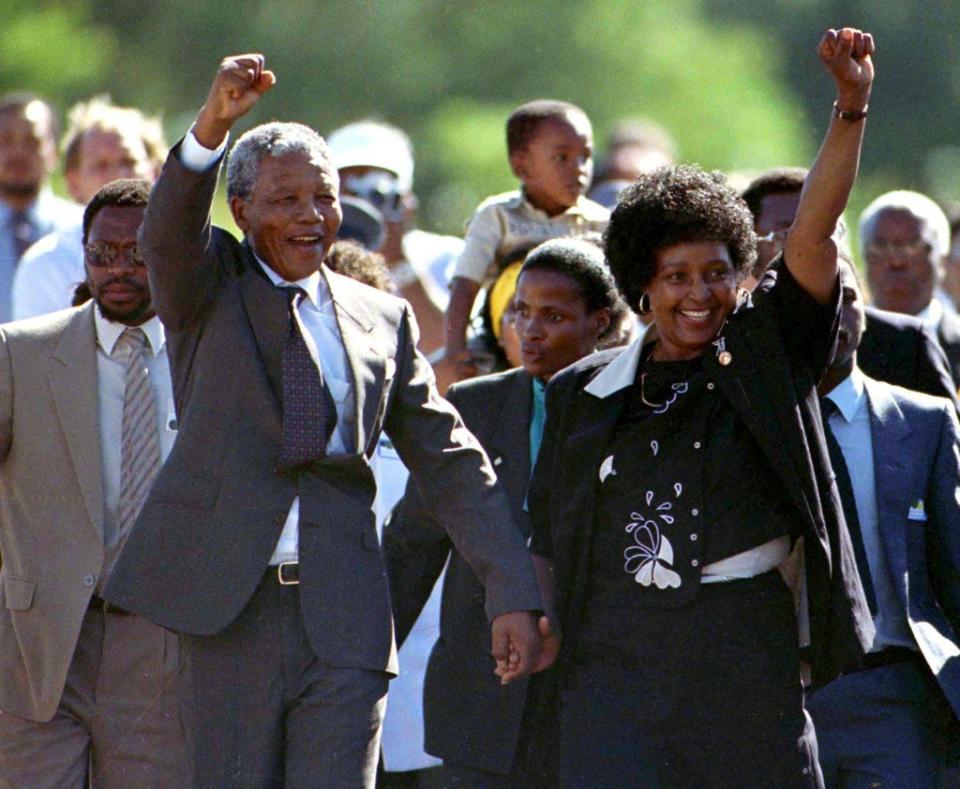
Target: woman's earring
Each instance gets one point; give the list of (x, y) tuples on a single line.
[(644, 306)]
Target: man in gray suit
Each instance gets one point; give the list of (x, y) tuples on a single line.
[(895, 455), (88, 693), (258, 540)]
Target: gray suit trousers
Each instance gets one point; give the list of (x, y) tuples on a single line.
[(260, 709)]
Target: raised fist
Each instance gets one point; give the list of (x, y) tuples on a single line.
[(240, 82), (847, 54)]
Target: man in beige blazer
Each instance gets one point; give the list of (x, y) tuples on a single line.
[(87, 692)]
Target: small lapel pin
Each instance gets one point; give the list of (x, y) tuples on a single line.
[(497, 461), (725, 358)]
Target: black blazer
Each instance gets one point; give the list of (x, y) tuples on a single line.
[(777, 401), (470, 719), (900, 350), (948, 335)]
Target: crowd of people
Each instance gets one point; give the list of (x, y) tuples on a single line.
[(622, 490)]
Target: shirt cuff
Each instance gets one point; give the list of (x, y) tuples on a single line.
[(197, 157)]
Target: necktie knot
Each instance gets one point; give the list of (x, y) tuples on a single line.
[(295, 295), (828, 408), (132, 342)]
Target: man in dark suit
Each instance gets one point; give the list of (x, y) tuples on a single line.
[(895, 455), (905, 238), (898, 349), (258, 541)]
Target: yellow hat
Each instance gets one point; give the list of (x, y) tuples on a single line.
[(500, 293)]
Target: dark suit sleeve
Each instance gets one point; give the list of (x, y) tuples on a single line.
[(179, 243), (943, 527), (457, 481), (933, 369)]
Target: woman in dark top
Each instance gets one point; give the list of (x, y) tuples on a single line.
[(566, 304), (674, 477)]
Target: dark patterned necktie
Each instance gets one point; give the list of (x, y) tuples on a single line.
[(849, 501), (309, 412)]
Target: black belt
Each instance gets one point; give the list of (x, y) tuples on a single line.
[(889, 656), (285, 573), (100, 605)]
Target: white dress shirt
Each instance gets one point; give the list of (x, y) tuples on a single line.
[(323, 340), (111, 383)]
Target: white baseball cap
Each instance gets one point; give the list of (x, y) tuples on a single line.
[(372, 144)]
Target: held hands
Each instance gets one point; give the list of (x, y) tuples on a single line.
[(240, 82), (847, 54), (516, 645)]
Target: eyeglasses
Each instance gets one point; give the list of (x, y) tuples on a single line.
[(102, 254), (911, 249), (775, 235)]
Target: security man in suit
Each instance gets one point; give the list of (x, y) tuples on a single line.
[(895, 455), (88, 692), (258, 541)]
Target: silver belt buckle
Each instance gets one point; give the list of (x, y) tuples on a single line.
[(280, 577)]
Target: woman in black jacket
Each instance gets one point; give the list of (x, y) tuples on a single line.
[(675, 475)]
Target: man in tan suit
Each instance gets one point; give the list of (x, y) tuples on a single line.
[(87, 691)]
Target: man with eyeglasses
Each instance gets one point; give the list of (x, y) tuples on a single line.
[(88, 692), (895, 348), (905, 239)]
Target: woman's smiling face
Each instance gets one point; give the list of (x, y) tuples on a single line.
[(693, 290)]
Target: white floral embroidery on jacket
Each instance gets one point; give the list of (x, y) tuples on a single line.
[(650, 559)]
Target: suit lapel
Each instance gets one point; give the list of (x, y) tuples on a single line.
[(367, 365), (266, 308), (74, 385), (511, 436), (889, 431)]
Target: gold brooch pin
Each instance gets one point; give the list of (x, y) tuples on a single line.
[(725, 357)]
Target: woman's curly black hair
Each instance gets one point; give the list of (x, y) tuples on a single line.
[(673, 205)]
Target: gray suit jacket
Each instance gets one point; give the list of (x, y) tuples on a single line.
[(213, 518), (51, 503), (915, 458)]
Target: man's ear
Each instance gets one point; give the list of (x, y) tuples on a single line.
[(238, 207), (518, 163)]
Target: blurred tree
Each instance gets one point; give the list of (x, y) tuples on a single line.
[(53, 48), (449, 73)]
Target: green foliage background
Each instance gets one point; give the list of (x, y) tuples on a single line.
[(735, 81)]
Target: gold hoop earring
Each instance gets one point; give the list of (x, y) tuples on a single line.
[(644, 306)]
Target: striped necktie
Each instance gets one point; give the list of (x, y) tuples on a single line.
[(140, 457)]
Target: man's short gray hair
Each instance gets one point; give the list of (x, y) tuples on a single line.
[(935, 227), (270, 139)]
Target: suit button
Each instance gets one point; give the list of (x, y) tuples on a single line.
[(694, 563), (711, 386), (694, 512), (172, 424), (697, 445), (694, 537), (88, 580)]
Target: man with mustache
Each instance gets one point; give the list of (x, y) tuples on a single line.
[(88, 692)]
